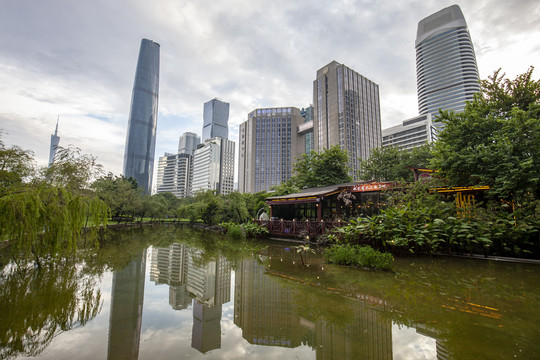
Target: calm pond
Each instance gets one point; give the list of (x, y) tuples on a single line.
[(174, 293)]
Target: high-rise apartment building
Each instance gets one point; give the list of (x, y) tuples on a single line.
[(141, 132), (188, 142), (174, 174), (410, 133), (269, 146), (213, 166), (55, 140), (446, 70), (346, 113), (215, 120)]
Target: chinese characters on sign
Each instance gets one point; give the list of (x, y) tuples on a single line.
[(370, 187)]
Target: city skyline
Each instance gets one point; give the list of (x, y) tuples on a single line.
[(82, 67)]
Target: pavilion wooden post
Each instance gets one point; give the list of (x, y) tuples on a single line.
[(319, 211)]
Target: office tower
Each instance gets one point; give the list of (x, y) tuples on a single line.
[(213, 166), (307, 127), (141, 133), (188, 142), (269, 146), (347, 113), (55, 140), (125, 319), (446, 70), (216, 119), (174, 174), (411, 133)]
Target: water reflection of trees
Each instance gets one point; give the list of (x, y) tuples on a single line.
[(465, 305), (39, 305)]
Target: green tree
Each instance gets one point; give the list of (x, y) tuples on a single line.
[(325, 168), (171, 204), (16, 166), (495, 140), (119, 193), (285, 188), (391, 163), (39, 217), (234, 208), (72, 169)]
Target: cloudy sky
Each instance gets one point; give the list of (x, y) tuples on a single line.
[(77, 59)]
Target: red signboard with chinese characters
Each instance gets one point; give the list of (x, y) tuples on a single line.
[(371, 187)]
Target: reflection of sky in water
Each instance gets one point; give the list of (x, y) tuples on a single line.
[(407, 344), (167, 333), (89, 341)]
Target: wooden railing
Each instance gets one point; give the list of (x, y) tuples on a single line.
[(299, 227)]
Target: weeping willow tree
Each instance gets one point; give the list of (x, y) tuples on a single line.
[(48, 215), (39, 305)]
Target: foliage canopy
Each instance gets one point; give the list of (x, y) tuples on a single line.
[(495, 141), (324, 168)]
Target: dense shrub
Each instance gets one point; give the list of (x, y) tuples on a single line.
[(250, 230), (362, 256)]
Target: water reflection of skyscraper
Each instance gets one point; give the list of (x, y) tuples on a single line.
[(188, 276), (126, 309), (271, 313)]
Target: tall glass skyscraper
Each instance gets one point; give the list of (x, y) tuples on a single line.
[(347, 113), (141, 133), (446, 70), (216, 120)]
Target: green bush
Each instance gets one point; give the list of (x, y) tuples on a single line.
[(361, 256), (235, 232), (240, 230), (254, 230)]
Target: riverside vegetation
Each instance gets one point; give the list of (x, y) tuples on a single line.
[(45, 212)]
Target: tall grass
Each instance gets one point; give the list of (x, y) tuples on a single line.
[(361, 256)]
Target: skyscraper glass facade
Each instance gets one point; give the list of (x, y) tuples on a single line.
[(269, 146), (216, 120), (446, 69), (347, 113), (188, 142), (141, 132)]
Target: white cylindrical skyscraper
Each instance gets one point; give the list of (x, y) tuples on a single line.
[(446, 70)]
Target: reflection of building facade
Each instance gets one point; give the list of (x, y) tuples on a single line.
[(189, 277), (264, 309), (210, 282), (206, 332), (268, 314), (126, 310)]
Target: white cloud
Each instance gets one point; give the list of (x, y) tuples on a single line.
[(77, 59)]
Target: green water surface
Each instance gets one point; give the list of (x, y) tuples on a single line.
[(176, 293)]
